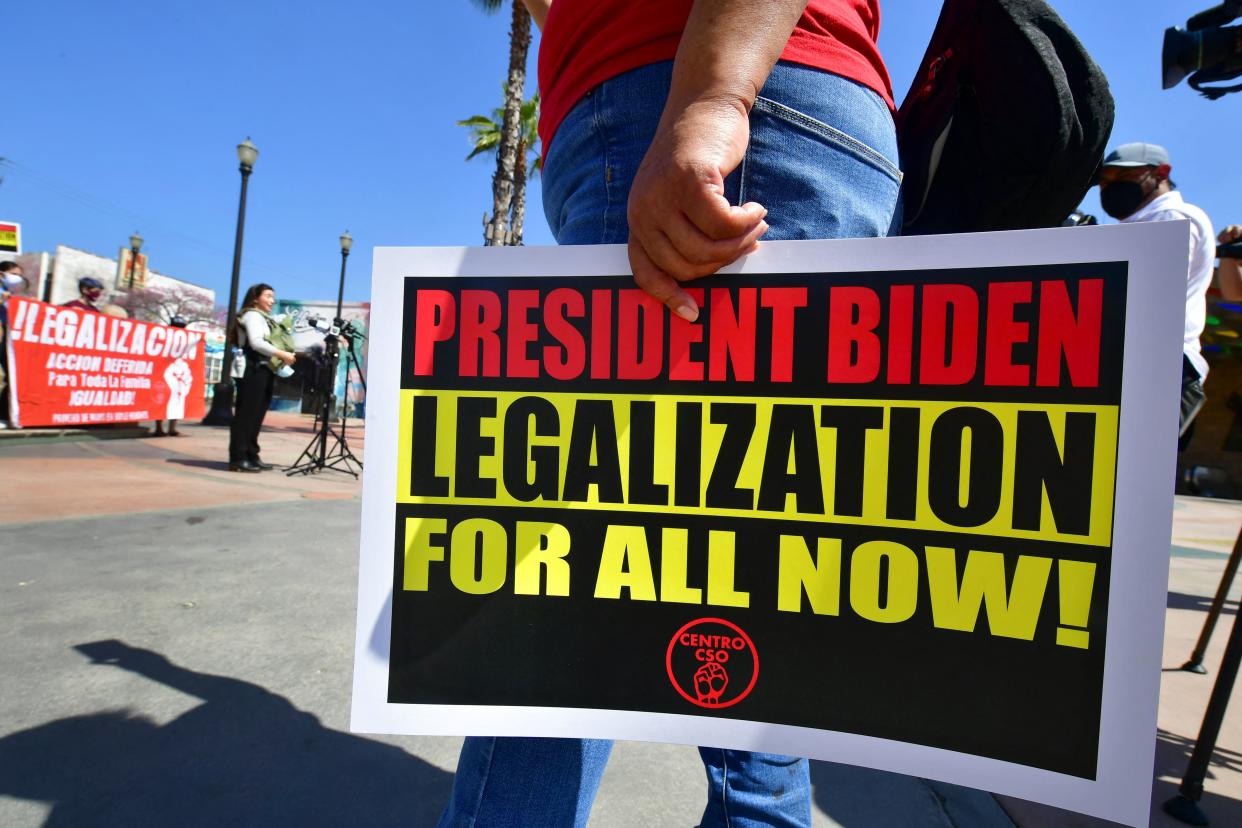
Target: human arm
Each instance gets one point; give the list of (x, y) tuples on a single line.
[(256, 327), (1229, 271), (538, 11), (681, 225)]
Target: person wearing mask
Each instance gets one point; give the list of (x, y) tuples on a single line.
[(1134, 187), (254, 389), (689, 129), (178, 375), (90, 290), (11, 282)]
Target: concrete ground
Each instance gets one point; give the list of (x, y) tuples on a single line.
[(176, 647)]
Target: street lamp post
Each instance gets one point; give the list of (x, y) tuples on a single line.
[(135, 245), (347, 241), (221, 412)]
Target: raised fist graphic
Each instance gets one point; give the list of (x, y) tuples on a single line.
[(710, 682)]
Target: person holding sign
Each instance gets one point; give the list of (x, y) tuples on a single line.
[(706, 126), (179, 379), (11, 281), (254, 388)]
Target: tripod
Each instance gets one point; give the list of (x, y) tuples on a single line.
[(317, 456), (1185, 806)]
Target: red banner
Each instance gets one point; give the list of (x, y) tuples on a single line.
[(74, 367)]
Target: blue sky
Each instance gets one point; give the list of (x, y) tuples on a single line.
[(124, 116)]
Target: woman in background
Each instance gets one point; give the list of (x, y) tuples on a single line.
[(254, 388)]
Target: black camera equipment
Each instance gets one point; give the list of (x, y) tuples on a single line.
[(318, 455), (1208, 48), (1079, 219), (1233, 250)]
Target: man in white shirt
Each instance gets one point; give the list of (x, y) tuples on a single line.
[(1135, 186)]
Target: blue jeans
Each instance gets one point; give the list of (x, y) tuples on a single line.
[(822, 160)]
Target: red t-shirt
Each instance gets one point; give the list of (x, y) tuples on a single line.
[(586, 42)]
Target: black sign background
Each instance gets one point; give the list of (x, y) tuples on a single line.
[(1030, 702)]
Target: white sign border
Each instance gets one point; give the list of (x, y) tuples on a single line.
[(1156, 255)]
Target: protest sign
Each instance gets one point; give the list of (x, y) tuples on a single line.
[(901, 503), (10, 237), (69, 366)]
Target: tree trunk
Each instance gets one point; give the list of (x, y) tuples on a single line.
[(506, 153), (519, 193)]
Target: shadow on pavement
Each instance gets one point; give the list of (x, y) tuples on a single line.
[(856, 796), (1172, 755), (244, 756), (1199, 603), (215, 465)]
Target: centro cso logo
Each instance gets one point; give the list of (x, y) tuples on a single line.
[(712, 663)]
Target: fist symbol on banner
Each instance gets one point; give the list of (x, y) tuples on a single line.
[(712, 663), (710, 682)]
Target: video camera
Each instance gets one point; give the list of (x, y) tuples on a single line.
[(1208, 48)]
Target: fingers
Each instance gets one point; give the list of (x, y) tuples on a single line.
[(682, 249), (697, 248), (1230, 234), (716, 218), (662, 281), (695, 258), (660, 285)]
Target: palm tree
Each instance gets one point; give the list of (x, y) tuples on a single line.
[(504, 182), (485, 133)]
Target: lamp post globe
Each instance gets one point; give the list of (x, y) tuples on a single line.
[(347, 241), (247, 154), (221, 412)]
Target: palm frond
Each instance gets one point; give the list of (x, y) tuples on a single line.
[(485, 144)]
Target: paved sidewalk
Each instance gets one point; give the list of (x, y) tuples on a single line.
[(106, 477), (176, 647)]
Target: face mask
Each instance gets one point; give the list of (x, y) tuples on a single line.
[(1122, 198)]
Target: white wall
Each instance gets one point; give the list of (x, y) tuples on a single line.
[(70, 265)]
